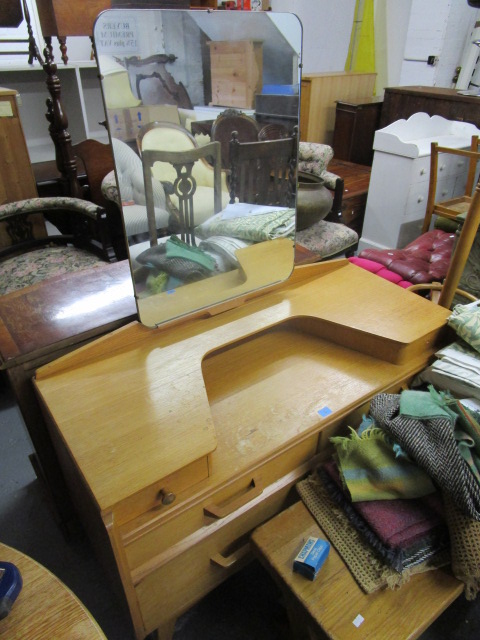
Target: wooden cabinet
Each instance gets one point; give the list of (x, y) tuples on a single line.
[(356, 179), (355, 124), (236, 70), (319, 94), (253, 406), (402, 102), (399, 182), (17, 181)]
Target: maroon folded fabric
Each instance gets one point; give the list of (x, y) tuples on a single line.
[(397, 523)]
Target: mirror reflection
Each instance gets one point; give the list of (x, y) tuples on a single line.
[(202, 110)]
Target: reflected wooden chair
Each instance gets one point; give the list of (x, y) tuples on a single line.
[(226, 123), (263, 172), (273, 131), (184, 185), (166, 136), (96, 160)]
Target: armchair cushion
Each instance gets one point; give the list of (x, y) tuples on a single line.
[(328, 239), (424, 260), (29, 258), (42, 264)]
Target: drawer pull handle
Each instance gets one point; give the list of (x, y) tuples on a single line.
[(229, 561), (217, 511), (167, 497)]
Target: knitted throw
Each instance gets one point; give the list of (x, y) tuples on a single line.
[(464, 548), (431, 443)]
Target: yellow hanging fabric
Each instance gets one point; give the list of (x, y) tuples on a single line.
[(361, 54)]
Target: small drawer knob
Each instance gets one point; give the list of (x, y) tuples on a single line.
[(167, 497)]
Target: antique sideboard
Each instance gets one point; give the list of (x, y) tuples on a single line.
[(178, 441), (402, 102)]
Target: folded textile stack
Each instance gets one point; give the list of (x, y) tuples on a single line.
[(408, 483), (173, 263), (256, 223), (457, 367)]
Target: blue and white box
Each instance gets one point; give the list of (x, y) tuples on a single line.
[(311, 557)]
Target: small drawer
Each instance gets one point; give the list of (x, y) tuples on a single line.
[(194, 567), (164, 494), (145, 538)]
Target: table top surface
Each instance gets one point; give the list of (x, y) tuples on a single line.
[(64, 310), (45, 608), (230, 369)]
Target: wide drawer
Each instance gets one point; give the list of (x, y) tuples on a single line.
[(143, 539), (192, 568)]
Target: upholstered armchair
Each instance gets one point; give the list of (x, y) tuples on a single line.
[(324, 238), (313, 157), (30, 254)]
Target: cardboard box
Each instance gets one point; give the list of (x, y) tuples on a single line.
[(126, 123)]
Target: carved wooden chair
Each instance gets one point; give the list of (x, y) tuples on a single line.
[(29, 255), (169, 137), (226, 123), (184, 185), (263, 172), (273, 131), (96, 160)]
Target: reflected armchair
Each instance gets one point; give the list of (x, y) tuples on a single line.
[(313, 157), (132, 199)]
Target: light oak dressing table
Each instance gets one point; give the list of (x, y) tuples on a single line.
[(177, 442)]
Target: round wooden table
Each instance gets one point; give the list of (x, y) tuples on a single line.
[(45, 607)]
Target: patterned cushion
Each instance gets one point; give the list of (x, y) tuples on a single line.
[(35, 266), (327, 239)]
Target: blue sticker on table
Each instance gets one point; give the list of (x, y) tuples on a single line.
[(324, 412)]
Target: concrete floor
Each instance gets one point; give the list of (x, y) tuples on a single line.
[(246, 607)]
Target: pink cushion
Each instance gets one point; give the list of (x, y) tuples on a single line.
[(380, 270), (426, 259)]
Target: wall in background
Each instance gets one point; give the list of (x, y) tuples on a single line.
[(406, 33)]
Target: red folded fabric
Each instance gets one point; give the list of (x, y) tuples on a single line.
[(398, 523)]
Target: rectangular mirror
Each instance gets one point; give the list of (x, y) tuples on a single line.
[(203, 111)]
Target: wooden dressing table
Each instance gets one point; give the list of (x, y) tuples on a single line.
[(178, 442)]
